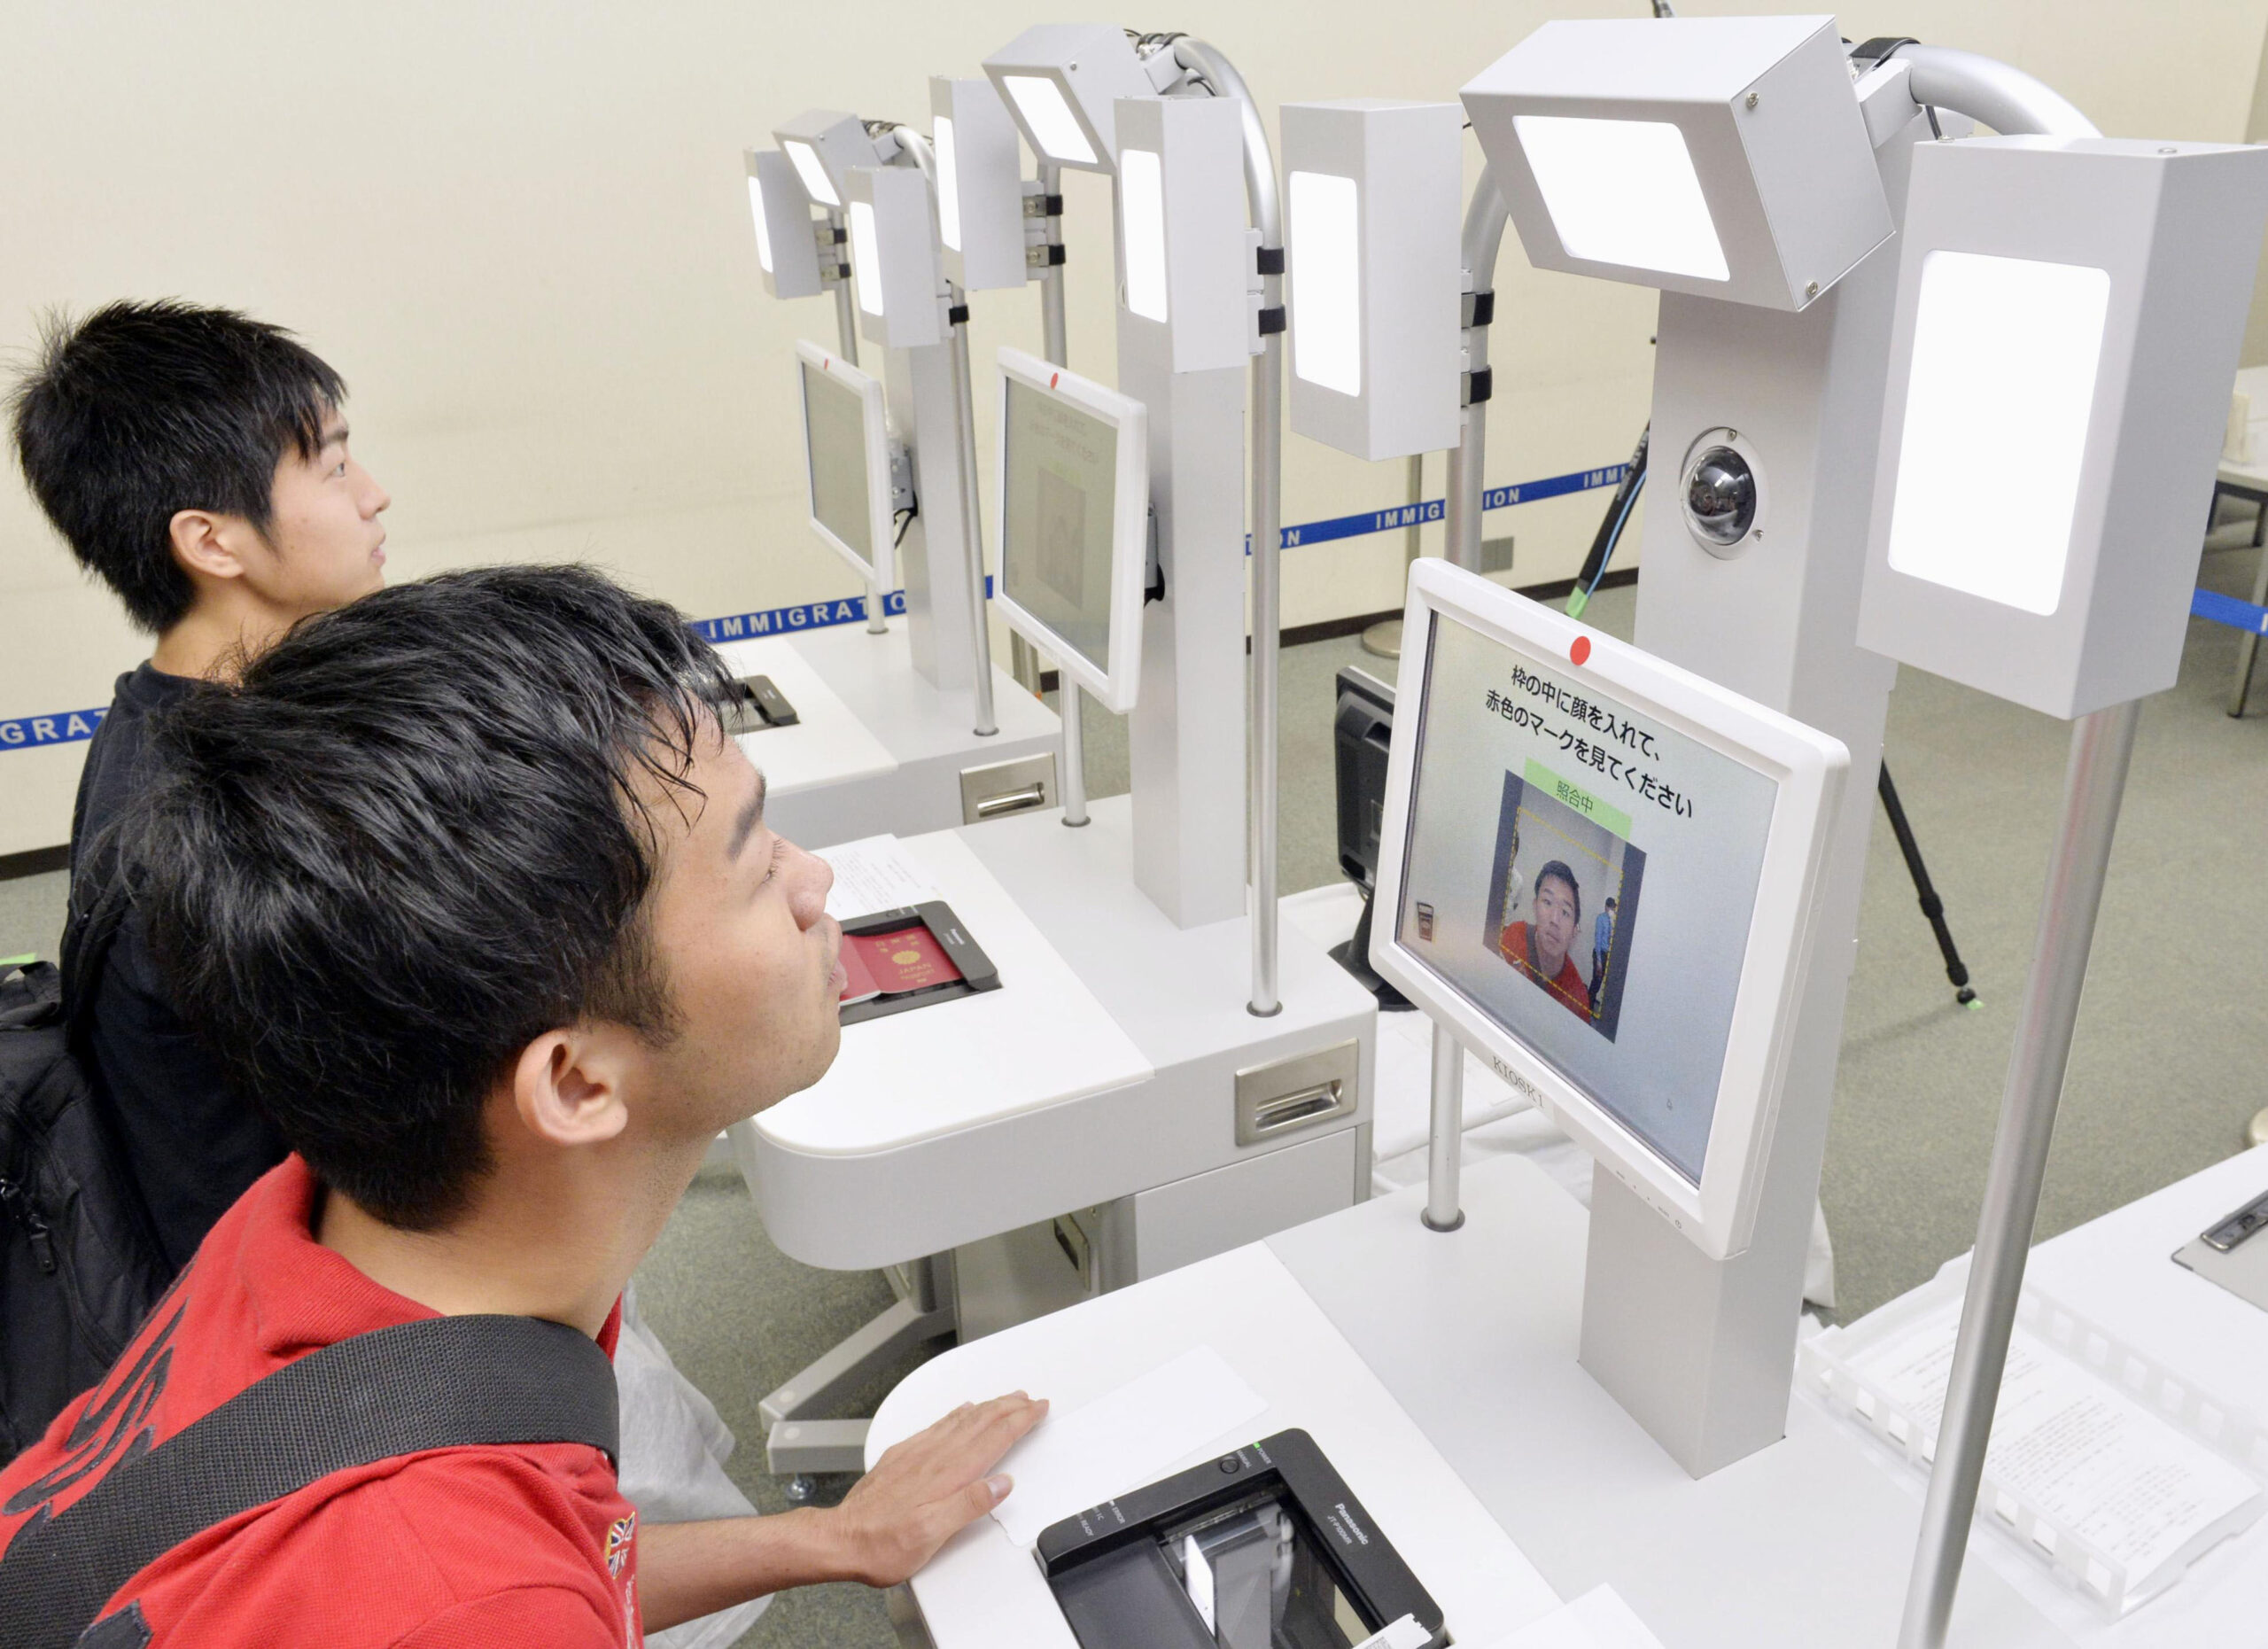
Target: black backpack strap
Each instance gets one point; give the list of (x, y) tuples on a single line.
[(437, 1383), (101, 897)]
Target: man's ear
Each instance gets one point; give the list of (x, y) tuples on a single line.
[(568, 1086), (209, 541)]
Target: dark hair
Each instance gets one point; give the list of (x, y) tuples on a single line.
[(1557, 868), (145, 410), (415, 838)]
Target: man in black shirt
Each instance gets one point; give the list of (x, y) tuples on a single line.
[(196, 461)]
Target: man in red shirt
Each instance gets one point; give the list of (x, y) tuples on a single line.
[(470, 893), (1539, 948)]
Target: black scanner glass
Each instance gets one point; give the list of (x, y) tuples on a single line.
[(1265, 1548)]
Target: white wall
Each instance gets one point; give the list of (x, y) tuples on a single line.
[(520, 230)]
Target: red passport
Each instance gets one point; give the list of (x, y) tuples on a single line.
[(858, 983), (909, 960)]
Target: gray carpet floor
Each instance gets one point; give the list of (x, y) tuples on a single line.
[(2167, 1069)]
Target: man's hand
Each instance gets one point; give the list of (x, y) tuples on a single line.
[(927, 1489)]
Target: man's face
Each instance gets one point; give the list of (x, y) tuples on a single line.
[(738, 925), (325, 545), (1555, 921)]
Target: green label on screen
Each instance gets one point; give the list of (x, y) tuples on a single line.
[(1583, 801)]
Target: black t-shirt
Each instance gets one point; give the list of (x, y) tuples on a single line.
[(193, 1147)]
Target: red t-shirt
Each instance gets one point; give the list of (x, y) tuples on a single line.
[(1513, 944), (482, 1548)]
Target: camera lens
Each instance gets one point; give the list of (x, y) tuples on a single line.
[(1721, 496)]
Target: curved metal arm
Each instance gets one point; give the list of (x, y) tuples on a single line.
[(2006, 99), (1219, 76)]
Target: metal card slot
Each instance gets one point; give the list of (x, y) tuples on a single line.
[(1013, 801), (1296, 1108), (1297, 1094), (1000, 790)]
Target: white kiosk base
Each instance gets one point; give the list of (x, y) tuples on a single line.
[(878, 747), (1473, 1337), (1111, 1113)]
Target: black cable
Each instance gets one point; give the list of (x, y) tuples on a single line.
[(904, 519)]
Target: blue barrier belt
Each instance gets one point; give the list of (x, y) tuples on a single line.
[(2238, 615), (69, 726)]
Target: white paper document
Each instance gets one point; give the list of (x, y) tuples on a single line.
[(872, 874), (1597, 1620), (1125, 1439), (2076, 1452)]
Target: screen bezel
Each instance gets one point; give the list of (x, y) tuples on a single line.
[(882, 570), (1119, 686), (1809, 767)]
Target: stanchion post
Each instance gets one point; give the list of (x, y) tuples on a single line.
[(2101, 744)]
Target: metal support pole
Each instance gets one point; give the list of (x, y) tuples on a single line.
[(1444, 1164), (1383, 640), (1071, 782), (1267, 481), (2101, 744), (1053, 343), (846, 312), (1267, 640), (846, 344), (1483, 238), (986, 725)]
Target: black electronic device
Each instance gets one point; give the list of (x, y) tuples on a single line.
[(756, 705), (1266, 1548), (1361, 732), (914, 983)]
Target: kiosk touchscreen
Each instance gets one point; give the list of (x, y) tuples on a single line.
[(846, 462), (1600, 870), (1075, 504)]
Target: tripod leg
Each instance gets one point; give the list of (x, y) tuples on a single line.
[(1932, 906)]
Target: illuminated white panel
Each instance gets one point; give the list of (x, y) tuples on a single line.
[(865, 258), (1142, 197), (948, 183), (2006, 351), (1623, 192), (763, 230), (816, 182), (1326, 266), (1050, 118)]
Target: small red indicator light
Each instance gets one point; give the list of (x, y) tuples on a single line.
[(1581, 650), (1053, 378)]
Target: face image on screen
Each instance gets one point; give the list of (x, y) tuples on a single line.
[(1059, 499), (1563, 902), (1539, 799), (834, 418)]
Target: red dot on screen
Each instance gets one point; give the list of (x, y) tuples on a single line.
[(1054, 378), (1581, 650)]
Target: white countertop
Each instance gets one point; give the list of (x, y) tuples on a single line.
[(982, 1590)]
